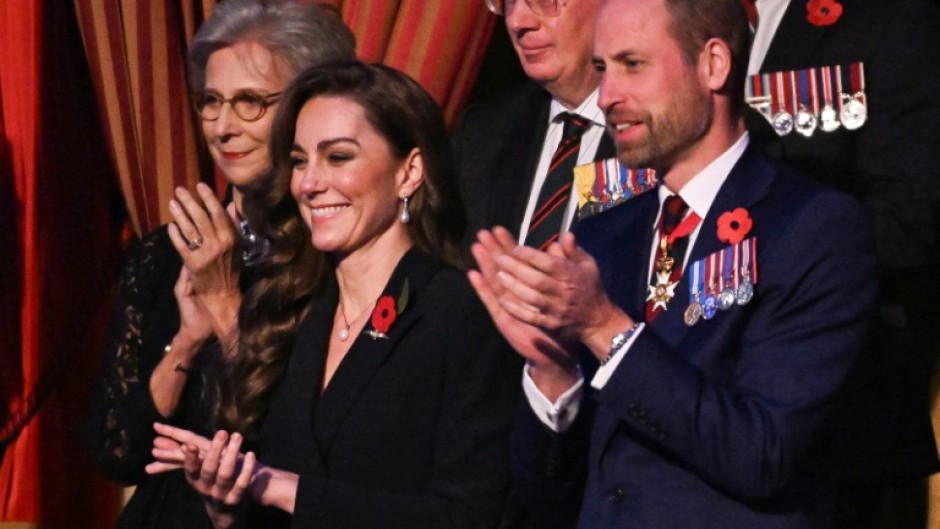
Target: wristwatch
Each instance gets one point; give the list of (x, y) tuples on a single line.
[(617, 342)]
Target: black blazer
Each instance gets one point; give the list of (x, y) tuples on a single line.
[(497, 145), (891, 165), (412, 430)]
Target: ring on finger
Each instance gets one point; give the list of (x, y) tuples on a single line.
[(194, 244)]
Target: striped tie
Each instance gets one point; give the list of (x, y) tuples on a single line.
[(549, 214)]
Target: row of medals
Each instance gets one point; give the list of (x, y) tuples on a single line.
[(852, 114), (714, 300), (614, 190)]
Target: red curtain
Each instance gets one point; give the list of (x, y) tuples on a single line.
[(438, 42), (58, 243), (136, 50)]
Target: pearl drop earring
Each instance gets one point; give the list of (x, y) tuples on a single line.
[(405, 216)]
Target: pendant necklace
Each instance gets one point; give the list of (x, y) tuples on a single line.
[(343, 333)]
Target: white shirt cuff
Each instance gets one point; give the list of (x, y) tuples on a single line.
[(605, 371), (558, 415)]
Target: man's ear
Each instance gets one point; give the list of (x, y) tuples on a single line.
[(715, 64)]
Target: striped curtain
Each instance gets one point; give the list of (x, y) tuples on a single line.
[(136, 50), (438, 42), (137, 53)]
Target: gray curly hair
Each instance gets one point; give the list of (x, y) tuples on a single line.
[(303, 35)]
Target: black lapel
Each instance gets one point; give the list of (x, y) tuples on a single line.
[(606, 148), (533, 128), (305, 375), (367, 354), (795, 41), (747, 183)]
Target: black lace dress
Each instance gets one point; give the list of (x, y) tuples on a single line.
[(119, 430)]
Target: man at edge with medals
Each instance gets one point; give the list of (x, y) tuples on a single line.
[(688, 352)]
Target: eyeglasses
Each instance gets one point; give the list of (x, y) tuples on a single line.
[(545, 8), (249, 106)]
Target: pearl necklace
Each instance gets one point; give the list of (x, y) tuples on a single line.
[(343, 334)]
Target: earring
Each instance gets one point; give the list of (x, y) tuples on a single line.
[(405, 217)]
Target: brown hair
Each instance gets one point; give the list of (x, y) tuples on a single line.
[(406, 116), (696, 21)]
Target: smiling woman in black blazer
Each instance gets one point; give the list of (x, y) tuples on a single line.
[(381, 390)]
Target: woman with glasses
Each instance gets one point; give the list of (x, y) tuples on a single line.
[(181, 285), (392, 394)]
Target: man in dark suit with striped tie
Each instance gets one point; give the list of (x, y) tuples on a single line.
[(516, 153), (689, 355)]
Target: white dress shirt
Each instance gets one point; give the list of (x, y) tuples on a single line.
[(699, 194), (590, 140)]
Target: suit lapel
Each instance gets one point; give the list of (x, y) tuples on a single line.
[(367, 354), (795, 41), (305, 373), (748, 182), (605, 149), (519, 184)]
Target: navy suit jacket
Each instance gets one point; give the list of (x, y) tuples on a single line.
[(729, 423), (888, 166), (497, 146)]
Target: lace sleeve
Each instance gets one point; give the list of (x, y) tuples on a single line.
[(119, 429)]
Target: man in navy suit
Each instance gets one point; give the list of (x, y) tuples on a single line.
[(719, 319)]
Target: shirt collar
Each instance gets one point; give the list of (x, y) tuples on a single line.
[(588, 109), (700, 192)]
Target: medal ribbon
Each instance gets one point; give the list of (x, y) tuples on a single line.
[(778, 93), (793, 101), (814, 94), (598, 188), (838, 77), (696, 285), (827, 85), (857, 77)]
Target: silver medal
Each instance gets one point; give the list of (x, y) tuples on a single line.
[(805, 122), (709, 306), (783, 123), (828, 119), (745, 292), (726, 298), (854, 112)]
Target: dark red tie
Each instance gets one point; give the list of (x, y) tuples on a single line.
[(556, 190), (674, 209)]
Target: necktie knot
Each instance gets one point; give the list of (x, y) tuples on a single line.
[(573, 125), (753, 17), (674, 208)]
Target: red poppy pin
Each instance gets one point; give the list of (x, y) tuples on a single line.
[(733, 226), (823, 12), (386, 311)]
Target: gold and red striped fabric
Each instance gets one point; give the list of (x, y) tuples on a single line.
[(136, 51)]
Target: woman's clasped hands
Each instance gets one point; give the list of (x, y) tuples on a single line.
[(215, 468)]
